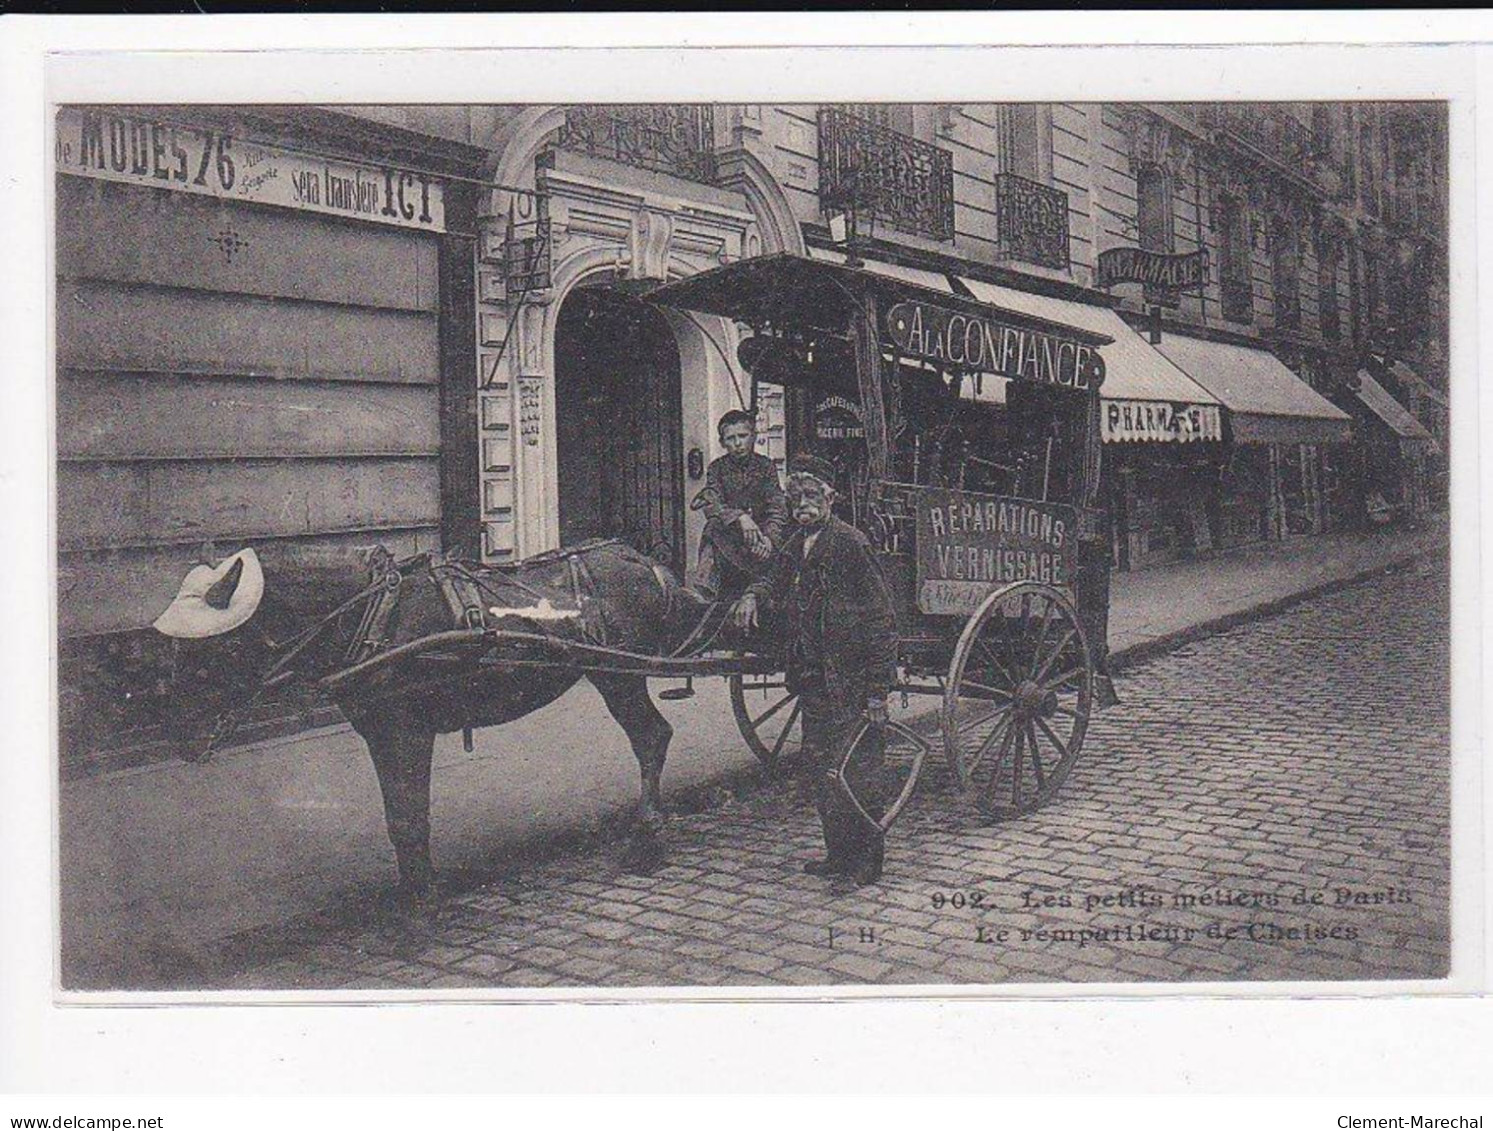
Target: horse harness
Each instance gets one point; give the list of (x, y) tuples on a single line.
[(465, 593)]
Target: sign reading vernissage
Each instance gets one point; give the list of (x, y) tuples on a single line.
[(1160, 421), (1154, 268), (981, 344), (969, 544), (209, 162)]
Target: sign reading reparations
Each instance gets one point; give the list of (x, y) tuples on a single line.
[(973, 342), (1154, 268), (969, 544), (207, 162)]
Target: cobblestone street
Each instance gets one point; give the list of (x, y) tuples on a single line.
[(1271, 803)]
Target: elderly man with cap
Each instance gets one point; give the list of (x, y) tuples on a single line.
[(841, 659)]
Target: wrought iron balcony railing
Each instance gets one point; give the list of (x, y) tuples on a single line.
[(1031, 222), (664, 138), (1272, 131), (869, 168)]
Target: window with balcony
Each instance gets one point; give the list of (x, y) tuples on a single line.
[(1233, 260), (1031, 216), (676, 139), (1329, 256), (880, 172), (1285, 261)]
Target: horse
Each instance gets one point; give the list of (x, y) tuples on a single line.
[(337, 621)]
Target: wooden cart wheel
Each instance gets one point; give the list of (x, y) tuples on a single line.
[(769, 716), (1018, 697)]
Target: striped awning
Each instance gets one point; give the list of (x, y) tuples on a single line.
[(1267, 403), (1144, 395)]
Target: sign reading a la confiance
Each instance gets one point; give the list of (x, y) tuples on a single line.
[(209, 162)]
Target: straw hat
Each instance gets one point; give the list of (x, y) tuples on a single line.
[(215, 599)]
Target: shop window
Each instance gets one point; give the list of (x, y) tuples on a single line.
[(1233, 260)]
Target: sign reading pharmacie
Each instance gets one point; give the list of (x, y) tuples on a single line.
[(209, 162), (982, 344), (1154, 268), (968, 544), (1159, 421)]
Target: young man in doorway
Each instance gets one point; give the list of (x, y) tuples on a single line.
[(842, 661)]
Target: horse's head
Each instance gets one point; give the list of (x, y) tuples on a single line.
[(219, 653)]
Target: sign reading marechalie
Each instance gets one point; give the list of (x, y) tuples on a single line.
[(969, 544), (981, 344), (1154, 268), (208, 162), (1160, 421)]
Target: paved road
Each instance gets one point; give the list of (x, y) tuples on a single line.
[(1267, 804)]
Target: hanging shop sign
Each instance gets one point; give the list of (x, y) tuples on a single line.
[(980, 344), (967, 544), (1154, 268), (218, 163), (1165, 276), (1159, 421)]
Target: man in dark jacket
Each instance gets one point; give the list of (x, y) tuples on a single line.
[(842, 661)]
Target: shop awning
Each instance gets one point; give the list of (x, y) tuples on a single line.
[(817, 293), (1144, 396), (1409, 377), (1267, 403), (1376, 397), (913, 276)]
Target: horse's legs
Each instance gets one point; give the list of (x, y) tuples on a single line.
[(649, 732), (401, 750)]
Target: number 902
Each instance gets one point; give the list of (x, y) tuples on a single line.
[(957, 900)]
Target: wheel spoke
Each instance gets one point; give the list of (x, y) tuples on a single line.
[(1057, 682), (1062, 747), (1016, 768), (976, 724), (1000, 757), (998, 729), (1069, 711), (773, 710), (1042, 636), (1031, 740), (986, 688), (777, 747), (995, 662), (1041, 673)]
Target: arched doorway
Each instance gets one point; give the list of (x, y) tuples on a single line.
[(618, 424)]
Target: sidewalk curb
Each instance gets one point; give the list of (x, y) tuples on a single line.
[(1144, 650)]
